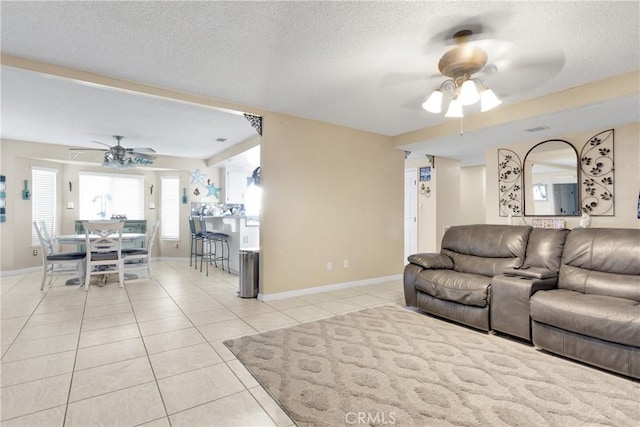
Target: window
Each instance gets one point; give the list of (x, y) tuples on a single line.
[(43, 200), (105, 195), (170, 208)]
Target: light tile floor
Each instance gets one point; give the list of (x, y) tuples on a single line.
[(151, 353)]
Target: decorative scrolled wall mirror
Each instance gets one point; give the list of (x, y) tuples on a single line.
[(551, 180)]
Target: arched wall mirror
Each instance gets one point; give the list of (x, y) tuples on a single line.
[(551, 180)]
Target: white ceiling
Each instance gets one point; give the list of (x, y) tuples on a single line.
[(366, 65)]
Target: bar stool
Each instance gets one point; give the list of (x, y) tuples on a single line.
[(223, 239), (210, 240), (196, 236)]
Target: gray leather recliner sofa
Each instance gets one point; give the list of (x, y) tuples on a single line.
[(455, 283), (575, 293), (594, 314)]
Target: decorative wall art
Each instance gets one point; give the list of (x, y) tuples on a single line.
[(212, 190), (3, 198), (596, 163), (509, 183), (197, 177), (255, 122), (425, 173)]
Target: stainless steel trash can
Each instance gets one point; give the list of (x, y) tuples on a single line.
[(248, 273)]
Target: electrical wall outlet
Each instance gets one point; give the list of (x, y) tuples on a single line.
[(35, 252), (345, 263), (245, 239), (329, 265)]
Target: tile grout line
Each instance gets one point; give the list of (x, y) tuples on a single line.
[(75, 359), (46, 292), (144, 344)]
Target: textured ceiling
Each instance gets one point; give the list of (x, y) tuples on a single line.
[(366, 65)]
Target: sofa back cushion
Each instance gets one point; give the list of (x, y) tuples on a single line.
[(545, 246), (602, 261), (485, 249)]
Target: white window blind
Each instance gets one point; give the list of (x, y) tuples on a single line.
[(43, 200), (170, 208), (103, 195)]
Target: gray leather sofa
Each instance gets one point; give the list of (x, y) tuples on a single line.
[(575, 293), (594, 314), (455, 283)]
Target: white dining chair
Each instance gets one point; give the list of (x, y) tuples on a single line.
[(103, 240), (137, 258), (51, 259)]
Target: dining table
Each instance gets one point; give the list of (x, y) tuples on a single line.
[(80, 239)]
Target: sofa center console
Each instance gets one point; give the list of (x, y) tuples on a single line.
[(510, 302)]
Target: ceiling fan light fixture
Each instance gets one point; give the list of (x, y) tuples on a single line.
[(455, 109), (488, 100), (433, 104), (468, 93)]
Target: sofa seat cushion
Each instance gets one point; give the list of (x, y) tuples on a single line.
[(608, 318), (463, 288)]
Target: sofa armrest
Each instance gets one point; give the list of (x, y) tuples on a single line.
[(432, 261), (532, 272)]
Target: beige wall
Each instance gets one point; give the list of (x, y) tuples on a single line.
[(472, 195), (329, 194), (626, 184)]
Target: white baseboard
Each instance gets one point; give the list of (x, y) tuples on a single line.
[(21, 271), (326, 288)]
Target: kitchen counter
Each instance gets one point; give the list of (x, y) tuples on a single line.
[(241, 236)]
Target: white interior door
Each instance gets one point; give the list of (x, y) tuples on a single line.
[(410, 212)]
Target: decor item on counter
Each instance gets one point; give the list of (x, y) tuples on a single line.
[(212, 190), (425, 191), (585, 222), (510, 183), (408, 369), (639, 205), (70, 187), (196, 192), (104, 199), (26, 194), (197, 177), (548, 223), (459, 64), (425, 173), (596, 161), (3, 198), (118, 157), (184, 195)]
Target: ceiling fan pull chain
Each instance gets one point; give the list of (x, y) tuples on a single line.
[(461, 131)]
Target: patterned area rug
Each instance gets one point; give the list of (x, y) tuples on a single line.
[(391, 366)]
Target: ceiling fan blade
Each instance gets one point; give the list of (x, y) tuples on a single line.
[(146, 150), (88, 149), (142, 155), (101, 143)]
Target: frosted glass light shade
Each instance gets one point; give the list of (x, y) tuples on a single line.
[(433, 104), (455, 109), (488, 100), (468, 93)]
